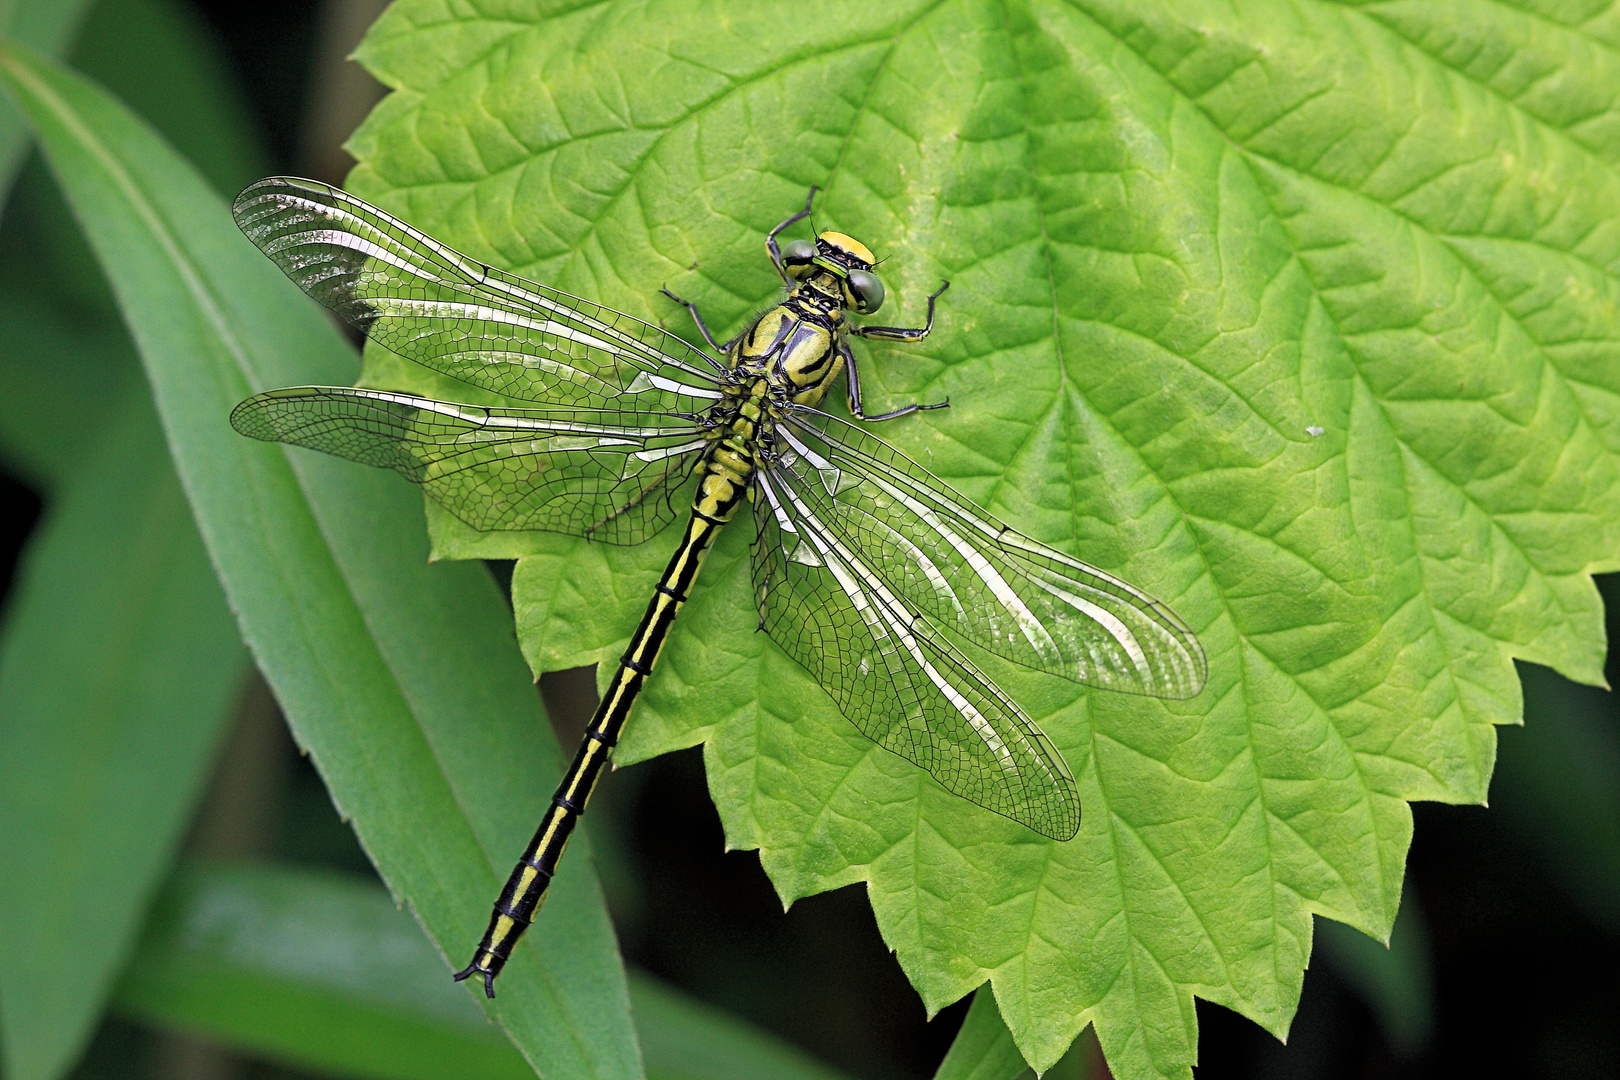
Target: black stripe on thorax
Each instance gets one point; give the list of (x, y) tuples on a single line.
[(814, 308), (751, 338)]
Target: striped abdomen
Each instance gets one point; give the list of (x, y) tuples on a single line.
[(728, 469)]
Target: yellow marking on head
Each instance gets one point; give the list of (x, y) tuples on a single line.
[(850, 245)]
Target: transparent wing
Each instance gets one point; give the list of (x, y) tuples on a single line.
[(901, 684), (968, 572), (431, 304), (579, 472)]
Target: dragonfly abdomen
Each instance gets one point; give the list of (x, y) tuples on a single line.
[(727, 473)]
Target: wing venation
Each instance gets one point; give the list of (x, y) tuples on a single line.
[(978, 577), (574, 471), (892, 676), (451, 313)]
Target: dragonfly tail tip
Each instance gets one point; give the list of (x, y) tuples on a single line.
[(473, 969)]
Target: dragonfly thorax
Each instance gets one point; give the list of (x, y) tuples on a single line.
[(792, 353)]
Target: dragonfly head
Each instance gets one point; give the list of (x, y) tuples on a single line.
[(845, 261)]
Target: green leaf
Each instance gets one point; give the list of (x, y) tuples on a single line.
[(983, 1049), (1301, 317), (1394, 980), (1558, 788), (56, 315), (119, 662), (323, 972), (314, 969), (45, 25), (159, 57), (684, 1039), (63, 377), (400, 680)]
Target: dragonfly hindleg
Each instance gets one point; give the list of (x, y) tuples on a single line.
[(697, 318), (852, 380)]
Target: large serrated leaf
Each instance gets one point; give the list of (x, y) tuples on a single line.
[(1300, 316)]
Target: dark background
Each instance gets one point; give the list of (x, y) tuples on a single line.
[(1512, 916)]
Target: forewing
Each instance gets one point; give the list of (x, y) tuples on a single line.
[(578, 471), (971, 573), (902, 685), (453, 314)]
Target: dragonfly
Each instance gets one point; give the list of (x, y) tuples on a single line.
[(867, 570)]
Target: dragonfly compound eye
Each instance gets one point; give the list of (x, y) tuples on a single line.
[(864, 291), (797, 257)]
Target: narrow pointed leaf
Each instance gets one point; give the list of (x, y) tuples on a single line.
[(313, 969), (45, 25), (119, 663), (399, 679), (63, 378), (1396, 980), (983, 1048)]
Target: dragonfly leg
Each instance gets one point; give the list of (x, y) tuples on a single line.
[(770, 237), (852, 379), (697, 318), (902, 333)]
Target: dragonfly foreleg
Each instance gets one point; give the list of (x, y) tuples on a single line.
[(902, 333), (697, 318), (770, 237)]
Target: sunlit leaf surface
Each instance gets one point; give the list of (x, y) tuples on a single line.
[(1300, 316)]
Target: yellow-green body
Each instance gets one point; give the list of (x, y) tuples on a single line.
[(789, 356)]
